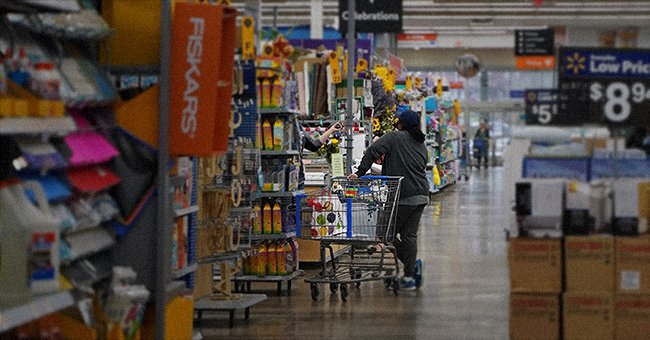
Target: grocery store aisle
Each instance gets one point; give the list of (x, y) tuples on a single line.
[(465, 293)]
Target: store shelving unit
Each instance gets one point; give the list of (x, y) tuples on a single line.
[(38, 307)]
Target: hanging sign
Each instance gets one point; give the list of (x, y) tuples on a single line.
[(248, 38), (541, 107), (374, 16), (417, 40), (606, 86), (534, 42)]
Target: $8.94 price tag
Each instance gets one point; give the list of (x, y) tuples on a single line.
[(620, 98)]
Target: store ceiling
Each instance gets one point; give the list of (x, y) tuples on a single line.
[(484, 16)]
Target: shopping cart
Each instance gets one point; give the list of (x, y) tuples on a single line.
[(361, 214)]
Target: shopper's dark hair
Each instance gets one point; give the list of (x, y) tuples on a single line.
[(416, 134)]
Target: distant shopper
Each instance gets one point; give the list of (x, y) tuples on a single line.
[(404, 155), (481, 143)]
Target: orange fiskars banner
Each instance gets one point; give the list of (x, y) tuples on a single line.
[(201, 71)]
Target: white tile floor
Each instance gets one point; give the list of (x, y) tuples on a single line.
[(465, 295)]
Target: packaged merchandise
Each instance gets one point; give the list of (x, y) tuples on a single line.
[(267, 132), (633, 264), (271, 262), (267, 219), (278, 134), (534, 316), (588, 315), (632, 315), (33, 248), (535, 265), (262, 259), (277, 219), (257, 219), (589, 263), (281, 258)]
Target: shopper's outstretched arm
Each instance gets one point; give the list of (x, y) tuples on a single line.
[(381, 147)]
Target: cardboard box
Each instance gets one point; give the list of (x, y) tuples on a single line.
[(588, 315), (632, 316), (534, 316), (535, 265), (633, 264), (589, 263)]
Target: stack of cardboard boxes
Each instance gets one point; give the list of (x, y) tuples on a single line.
[(580, 287)]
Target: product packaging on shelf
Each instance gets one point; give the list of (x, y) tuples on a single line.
[(30, 244), (589, 263), (632, 312), (633, 264), (534, 316), (535, 265), (588, 315)]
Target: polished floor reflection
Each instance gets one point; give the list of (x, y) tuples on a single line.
[(465, 292)]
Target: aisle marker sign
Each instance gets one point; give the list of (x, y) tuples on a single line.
[(607, 86)]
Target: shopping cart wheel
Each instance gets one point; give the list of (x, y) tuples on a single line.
[(314, 291), (344, 291), (334, 287), (395, 285)]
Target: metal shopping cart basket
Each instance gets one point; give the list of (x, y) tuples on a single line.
[(361, 214)]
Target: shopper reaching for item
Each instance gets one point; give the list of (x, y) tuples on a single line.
[(405, 155), (314, 145)]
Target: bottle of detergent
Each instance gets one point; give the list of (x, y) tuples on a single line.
[(29, 244)]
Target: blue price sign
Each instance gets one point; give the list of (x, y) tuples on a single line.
[(606, 86)]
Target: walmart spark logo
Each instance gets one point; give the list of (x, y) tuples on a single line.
[(575, 63)]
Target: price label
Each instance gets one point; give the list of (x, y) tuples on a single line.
[(618, 97), (605, 86), (541, 107), (336, 70)]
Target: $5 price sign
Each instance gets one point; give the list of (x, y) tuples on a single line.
[(619, 99), (543, 112)]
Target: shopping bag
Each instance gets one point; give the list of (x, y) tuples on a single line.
[(202, 67)]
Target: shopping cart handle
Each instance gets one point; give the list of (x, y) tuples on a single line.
[(371, 177)]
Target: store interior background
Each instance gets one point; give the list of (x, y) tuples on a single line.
[(483, 28)]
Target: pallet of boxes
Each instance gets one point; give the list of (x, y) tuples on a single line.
[(580, 266)]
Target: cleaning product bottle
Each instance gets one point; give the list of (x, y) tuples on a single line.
[(267, 220), (277, 219), (281, 258), (271, 262), (278, 134), (267, 131), (29, 244), (261, 260)]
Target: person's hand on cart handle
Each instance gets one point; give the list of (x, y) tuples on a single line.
[(353, 176)]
